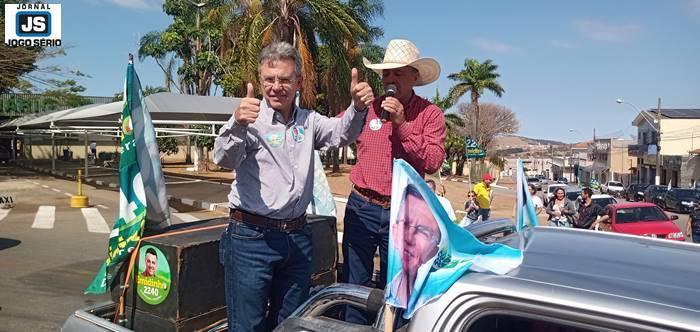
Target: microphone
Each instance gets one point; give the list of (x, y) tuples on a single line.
[(390, 91)]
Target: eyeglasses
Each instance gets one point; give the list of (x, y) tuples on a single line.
[(422, 231), (269, 82)]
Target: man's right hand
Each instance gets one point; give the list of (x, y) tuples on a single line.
[(249, 109)]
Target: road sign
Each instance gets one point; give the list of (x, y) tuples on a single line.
[(473, 150)]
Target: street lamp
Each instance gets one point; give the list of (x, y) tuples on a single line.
[(657, 121)]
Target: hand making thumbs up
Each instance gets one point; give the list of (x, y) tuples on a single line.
[(361, 92), (247, 112)]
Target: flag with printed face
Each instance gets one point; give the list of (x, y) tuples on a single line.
[(427, 251), (137, 142), (525, 213)]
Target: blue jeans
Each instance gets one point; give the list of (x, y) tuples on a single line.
[(695, 237), (267, 274), (484, 213), (366, 227)]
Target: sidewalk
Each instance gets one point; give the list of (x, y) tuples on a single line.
[(209, 189)]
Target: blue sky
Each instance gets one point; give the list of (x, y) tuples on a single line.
[(562, 63)]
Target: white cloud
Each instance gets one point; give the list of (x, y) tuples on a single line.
[(563, 44), (494, 46), (139, 4), (607, 32)]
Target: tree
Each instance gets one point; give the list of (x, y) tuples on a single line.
[(495, 120), (475, 78), (306, 24), (454, 141)]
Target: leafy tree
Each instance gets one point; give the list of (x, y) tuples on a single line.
[(66, 93), (475, 78), (338, 26), (454, 141)]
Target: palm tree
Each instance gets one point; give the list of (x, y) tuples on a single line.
[(306, 24), (475, 78), (454, 142)]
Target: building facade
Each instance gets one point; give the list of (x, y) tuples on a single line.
[(676, 148), (610, 161)]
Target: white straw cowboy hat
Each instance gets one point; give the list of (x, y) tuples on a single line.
[(401, 53)]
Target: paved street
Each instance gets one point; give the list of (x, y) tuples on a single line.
[(49, 252)]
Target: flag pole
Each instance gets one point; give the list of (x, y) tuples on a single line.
[(388, 318)]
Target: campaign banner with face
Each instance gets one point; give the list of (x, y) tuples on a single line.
[(428, 252)]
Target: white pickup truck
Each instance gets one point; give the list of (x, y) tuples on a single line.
[(612, 188)]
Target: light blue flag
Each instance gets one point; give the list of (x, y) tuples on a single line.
[(322, 203), (427, 251), (525, 213)]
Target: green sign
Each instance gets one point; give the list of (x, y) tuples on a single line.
[(473, 150), (153, 281)]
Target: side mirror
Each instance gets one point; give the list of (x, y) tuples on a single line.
[(674, 217)]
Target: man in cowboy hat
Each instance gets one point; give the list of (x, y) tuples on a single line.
[(401, 125)]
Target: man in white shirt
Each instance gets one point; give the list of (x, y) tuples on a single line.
[(445, 203)]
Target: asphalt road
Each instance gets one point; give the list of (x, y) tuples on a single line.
[(49, 252)]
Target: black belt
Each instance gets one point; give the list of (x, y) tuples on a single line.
[(282, 225)]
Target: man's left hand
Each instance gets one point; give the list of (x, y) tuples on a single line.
[(395, 109)]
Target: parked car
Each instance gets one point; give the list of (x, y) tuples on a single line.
[(535, 181), (562, 180), (543, 179), (635, 192), (655, 194), (680, 200), (570, 280), (603, 200), (5, 155), (644, 219), (612, 188)]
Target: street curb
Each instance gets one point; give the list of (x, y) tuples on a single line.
[(218, 207)]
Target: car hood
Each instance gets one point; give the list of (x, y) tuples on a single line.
[(647, 227)]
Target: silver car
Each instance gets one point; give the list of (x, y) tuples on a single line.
[(570, 280)]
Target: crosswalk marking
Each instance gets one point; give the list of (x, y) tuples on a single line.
[(3, 213), (44, 217), (56, 190), (67, 194), (94, 220), (185, 217)]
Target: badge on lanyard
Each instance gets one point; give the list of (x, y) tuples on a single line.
[(375, 124), (298, 134)]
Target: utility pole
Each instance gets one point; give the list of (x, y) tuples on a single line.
[(657, 180), (594, 157)]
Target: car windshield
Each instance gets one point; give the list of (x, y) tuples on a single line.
[(687, 193), (573, 195), (551, 189), (603, 202), (658, 189), (639, 214), (614, 184), (532, 179), (639, 186)]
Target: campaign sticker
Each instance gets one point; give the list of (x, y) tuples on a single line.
[(375, 124), (153, 281), (274, 139), (298, 134)]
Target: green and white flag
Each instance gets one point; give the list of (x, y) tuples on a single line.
[(133, 202)]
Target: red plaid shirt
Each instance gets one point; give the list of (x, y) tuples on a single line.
[(420, 141)]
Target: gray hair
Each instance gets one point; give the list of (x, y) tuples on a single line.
[(280, 51)]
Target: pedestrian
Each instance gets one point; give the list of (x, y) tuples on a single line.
[(536, 200), (471, 207), (588, 211), (443, 201), (484, 196), (266, 249), (399, 125), (93, 150), (693, 225), (560, 209)]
